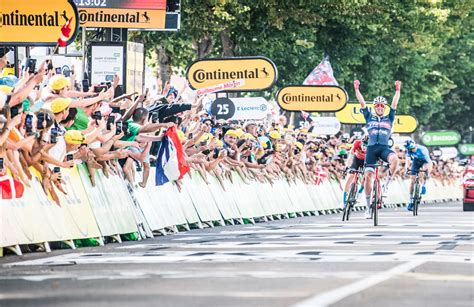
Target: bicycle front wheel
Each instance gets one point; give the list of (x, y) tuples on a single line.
[(375, 201)]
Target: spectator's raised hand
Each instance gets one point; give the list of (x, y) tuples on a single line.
[(15, 121)]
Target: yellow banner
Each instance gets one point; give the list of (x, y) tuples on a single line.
[(312, 98), (405, 124), (352, 114), (122, 18), (37, 22), (258, 73)]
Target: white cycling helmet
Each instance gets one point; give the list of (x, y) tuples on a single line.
[(380, 100)]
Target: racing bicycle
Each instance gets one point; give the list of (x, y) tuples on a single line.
[(415, 197), (352, 196)]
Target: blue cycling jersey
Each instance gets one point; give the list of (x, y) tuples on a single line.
[(421, 154), (379, 128)]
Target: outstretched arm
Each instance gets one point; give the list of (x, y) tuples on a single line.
[(359, 96), (396, 97)]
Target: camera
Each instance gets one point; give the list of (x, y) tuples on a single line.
[(85, 85), (58, 70), (125, 128), (1, 164), (50, 64), (29, 124), (40, 122), (54, 135), (96, 115), (69, 157), (56, 169), (31, 65), (118, 128), (110, 122), (14, 111), (100, 88), (154, 117)]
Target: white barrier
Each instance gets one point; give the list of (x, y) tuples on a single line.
[(113, 208)]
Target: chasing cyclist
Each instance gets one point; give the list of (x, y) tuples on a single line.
[(355, 162), (379, 128), (419, 156)]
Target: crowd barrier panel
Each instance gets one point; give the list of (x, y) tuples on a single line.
[(110, 203), (280, 187), (35, 219), (204, 204), (226, 205)]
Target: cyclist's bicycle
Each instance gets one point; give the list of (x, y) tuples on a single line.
[(415, 198), (377, 197), (352, 196)]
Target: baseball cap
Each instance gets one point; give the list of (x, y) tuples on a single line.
[(58, 82), (232, 133), (6, 89), (74, 137), (60, 104), (274, 135)]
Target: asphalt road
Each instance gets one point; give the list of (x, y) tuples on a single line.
[(311, 261)]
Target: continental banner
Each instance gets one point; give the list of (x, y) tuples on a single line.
[(255, 73), (138, 14), (41, 23), (312, 98)]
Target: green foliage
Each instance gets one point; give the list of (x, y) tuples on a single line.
[(426, 44)]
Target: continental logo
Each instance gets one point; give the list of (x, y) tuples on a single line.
[(258, 73), (312, 98), (18, 18), (201, 76), (26, 23), (127, 18)]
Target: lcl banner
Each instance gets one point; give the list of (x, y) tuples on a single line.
[(255, 73), (38, 23), (352, 114)]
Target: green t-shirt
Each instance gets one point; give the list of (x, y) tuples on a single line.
[(81, 121), (133, 129)]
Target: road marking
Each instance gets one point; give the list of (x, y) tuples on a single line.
[(338, 294)]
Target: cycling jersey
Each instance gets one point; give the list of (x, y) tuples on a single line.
[(357, 150), (421, 154), (379, 128)]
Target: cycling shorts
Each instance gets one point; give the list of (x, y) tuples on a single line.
[(416, 165), (356, 164), (375, 152)]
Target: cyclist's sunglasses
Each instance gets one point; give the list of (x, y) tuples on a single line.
[(379, 105)]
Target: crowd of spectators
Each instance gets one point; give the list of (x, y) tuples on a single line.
[(49, 122)]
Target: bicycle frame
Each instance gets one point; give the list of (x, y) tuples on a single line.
[(377, 199)]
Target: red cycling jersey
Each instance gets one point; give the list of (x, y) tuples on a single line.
[(357, 150)]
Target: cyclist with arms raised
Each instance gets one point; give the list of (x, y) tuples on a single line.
[(355, 162), (419, 156), (379, 128)]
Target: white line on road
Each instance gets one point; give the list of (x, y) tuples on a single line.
[(338, 294)]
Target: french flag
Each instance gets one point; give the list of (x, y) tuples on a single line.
[(170, 164)]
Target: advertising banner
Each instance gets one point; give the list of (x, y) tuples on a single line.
[(136, 14), (38, 23), (352, 114), (467, 149), (107, 60), (441, 138), (326, 125), (312, 98), (257, 73), (135, 67)]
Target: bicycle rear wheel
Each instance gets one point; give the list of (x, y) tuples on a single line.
[(415, 198), (375, 201)]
